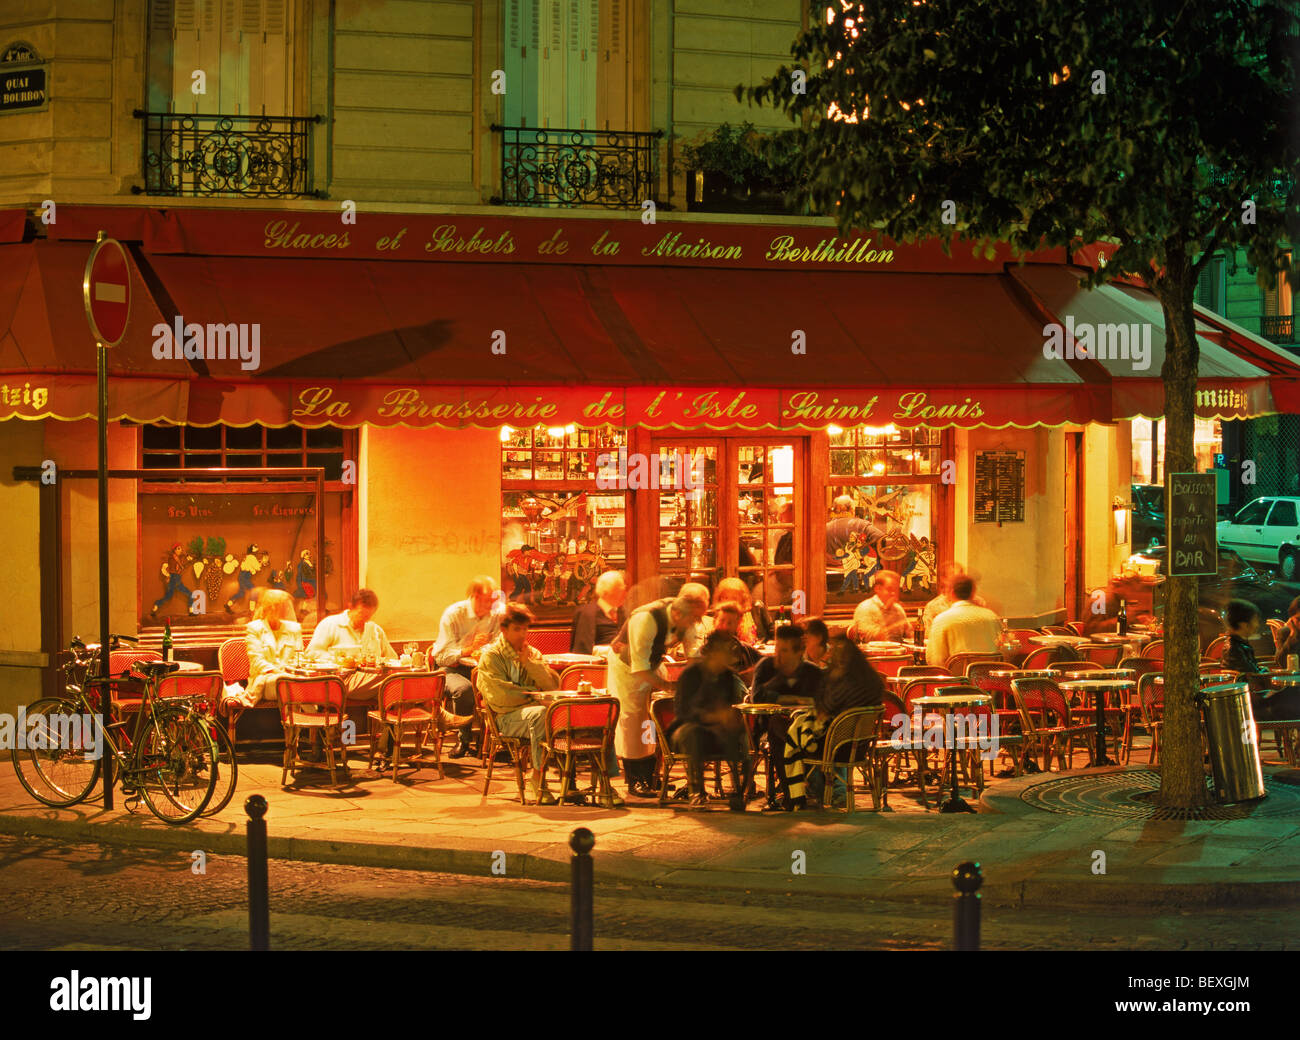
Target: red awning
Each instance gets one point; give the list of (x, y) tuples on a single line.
[(450, 343)]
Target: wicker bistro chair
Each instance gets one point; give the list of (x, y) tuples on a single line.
[(1107, 655), (576, 673), (1074, 628), (232, 659), (520, 749), (663, 713), (1151, 706), (920, 671), (1046, 655), (1066, 667), (888, 748), (1216, 648), (959, 663), (578, 731), (1139, 666), (1023, 645), (850, 742), (1046, 722), (126, 691), (1154, 651), (1055, 630), (409, 700), (312, 705), (202, 689), (890, 664), (970, 759)]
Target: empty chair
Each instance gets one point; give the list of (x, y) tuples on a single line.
[(1046, 655), (579, 731), (1023, 637), (1214, 652), (1074, 627), (126, 691), (312, 706), (1154, 651), (232, 659), (1151, 704), (977, 670), (920, 671), (1107, 655), (890, 664), (958, 663), (410, 700), (576, 673), (1066, 667), (1047, 722), (1057, 630)]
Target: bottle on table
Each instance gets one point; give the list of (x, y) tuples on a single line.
[(1123, 618), (918, 629), (167, 641)]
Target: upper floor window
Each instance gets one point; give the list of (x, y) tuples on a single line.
[(200, 447), (227, 57)]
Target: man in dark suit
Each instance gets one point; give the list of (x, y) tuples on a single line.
[(598, 622)]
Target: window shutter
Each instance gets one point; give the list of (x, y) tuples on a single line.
[(551, 79), (269, 58), (521, 59), (613, 88)]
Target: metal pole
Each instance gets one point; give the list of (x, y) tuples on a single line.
[(580, 918), (259, 909), (966, 879), (101, 358)]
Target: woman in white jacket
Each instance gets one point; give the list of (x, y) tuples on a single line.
[(273, 638)]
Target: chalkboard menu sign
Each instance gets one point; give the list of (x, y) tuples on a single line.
[(1193, 532), (999, 487)]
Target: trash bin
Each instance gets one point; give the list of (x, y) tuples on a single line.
[(1234, 748)]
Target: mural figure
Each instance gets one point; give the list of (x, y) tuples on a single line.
[(304, 575), (919, 564), (173, 567), (254, 561), (553, 579)]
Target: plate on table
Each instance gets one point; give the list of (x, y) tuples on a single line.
[(570, 658)]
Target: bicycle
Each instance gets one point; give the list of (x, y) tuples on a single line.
[(203, 698), (169, 759)]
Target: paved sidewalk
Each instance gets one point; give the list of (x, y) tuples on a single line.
[(1029, 856)]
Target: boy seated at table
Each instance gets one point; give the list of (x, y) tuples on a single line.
[(1242, 620), (786, 678), (705, 721)]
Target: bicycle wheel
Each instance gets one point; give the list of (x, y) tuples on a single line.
[(227, 769), (49, 755), (177, 766)]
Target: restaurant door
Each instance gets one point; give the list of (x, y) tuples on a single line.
[(738, 515)]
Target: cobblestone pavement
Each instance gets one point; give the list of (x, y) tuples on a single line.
[(67, 896)]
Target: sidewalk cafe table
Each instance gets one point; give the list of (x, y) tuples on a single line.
[(766, 710), (567, 660), (954, 700), (1097, 689), (891, 648), (898, 683), (1060, 640)]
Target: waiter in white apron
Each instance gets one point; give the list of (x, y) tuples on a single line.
[(634, 659)]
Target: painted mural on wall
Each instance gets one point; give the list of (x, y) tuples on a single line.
[(870, 529), (203, 578), (553, 579)]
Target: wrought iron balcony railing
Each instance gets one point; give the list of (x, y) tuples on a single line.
[(1277, 328), (613, 169), (254, 157)]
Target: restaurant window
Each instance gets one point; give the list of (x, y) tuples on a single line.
[(882, 511), (765, 483), (207, 542), (688, 513), (1147, 440), (559, 529)]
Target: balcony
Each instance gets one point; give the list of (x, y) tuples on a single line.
[(248, 157), (1277, 328), (606, 169)]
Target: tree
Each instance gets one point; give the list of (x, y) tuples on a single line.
[(1165, 127)]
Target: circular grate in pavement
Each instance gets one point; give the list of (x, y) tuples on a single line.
[(1132, 794)]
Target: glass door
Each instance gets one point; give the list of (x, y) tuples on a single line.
[(688, 521), (768, 483)]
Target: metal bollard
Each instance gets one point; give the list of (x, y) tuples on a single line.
[(580, 918), (966, 878), (259, 910)]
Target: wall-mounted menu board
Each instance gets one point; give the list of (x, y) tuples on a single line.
[(1193, 524), (999, 487)]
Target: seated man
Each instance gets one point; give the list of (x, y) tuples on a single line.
[(705, 723), (1267, 703), (597, 623), (510, 672), (354, 630), (816, 642), (881, 617), (963, 628), (784, 679), (727, 618), (850, 682), (948, 573), (466, 627)]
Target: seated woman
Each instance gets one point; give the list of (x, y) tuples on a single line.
[(272, 638), (816, 642), (1242, 620), (756, 625), (849, 682)]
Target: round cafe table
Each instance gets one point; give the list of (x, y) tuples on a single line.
[(947, 701), (752, 712), (188, 666), (1059, 640), (1114, 637), (1097, 688)]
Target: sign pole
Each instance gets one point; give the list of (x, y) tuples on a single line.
[(107, 759), (106, 292)]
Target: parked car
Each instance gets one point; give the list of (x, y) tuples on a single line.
[(1236, 579), (1148, 516), (1266, 531)]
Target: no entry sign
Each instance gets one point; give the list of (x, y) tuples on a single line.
[(106, 288)]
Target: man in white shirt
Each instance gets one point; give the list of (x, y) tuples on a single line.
[(948, 573), (964, 628), (466, 627), (353, 630), (634, 659), (881, 617)]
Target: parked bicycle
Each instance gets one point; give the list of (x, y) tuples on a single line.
[(168, 758)]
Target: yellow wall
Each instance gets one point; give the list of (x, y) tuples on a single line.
[(1107, 464), (20, 578), (1020, 567), (429, 520)]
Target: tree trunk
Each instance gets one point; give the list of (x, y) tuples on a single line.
[(1182, 776)]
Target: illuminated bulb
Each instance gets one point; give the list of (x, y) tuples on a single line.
[(571, 428), (879, 467), (555, 431), (834, 431), (506, 432)]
